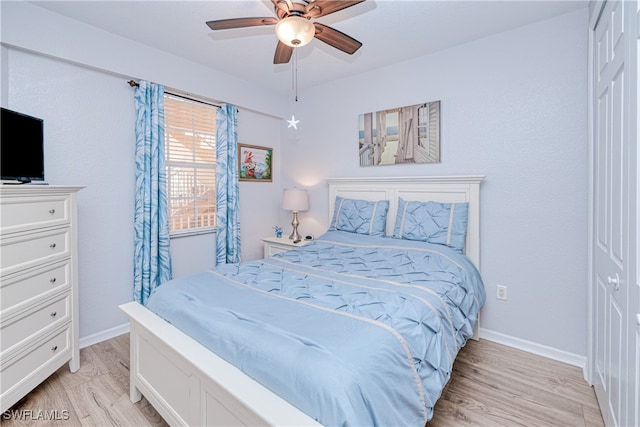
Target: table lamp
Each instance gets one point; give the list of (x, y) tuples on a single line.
[(295, 200)]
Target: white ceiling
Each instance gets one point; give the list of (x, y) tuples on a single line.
[(390, 30)]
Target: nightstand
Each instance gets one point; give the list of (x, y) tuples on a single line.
[(275, 245)]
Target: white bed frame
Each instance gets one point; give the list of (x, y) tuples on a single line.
[(190, 385)]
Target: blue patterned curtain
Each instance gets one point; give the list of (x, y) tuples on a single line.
[(227, 188), (152, 263)]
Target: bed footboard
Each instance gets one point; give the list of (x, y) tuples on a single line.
[(190, 385)]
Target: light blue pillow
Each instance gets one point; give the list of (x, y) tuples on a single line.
[(360, 216), (433, 222)]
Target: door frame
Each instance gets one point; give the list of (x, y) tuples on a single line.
[(594, 17)]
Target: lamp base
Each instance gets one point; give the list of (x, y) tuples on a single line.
[(294, 234)]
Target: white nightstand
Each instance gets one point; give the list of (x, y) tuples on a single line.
[(275, 245)]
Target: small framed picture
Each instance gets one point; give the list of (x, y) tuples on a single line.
[(254, 163)]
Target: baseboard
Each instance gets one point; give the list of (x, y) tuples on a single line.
[(104, 335), (539, 349)]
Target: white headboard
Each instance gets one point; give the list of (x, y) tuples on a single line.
[(449, 189)]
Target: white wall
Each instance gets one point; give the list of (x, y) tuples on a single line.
[(514, 108), (51, 69), (29, 27), (88, 141)]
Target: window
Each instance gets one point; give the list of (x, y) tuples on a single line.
[(190, 153)]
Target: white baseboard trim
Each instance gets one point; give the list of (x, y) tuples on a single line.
[(539, 349), (104, 335)]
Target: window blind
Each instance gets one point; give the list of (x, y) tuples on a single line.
[(190, 155)]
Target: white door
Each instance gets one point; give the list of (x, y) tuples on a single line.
[(634, 387), (611, 211), (634, 285)]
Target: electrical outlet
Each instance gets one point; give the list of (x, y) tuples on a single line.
[(502, 292)]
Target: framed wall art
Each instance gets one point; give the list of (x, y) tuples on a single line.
[(400, 135), (254, 163)]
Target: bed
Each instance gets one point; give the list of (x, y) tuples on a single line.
[(370, 344)]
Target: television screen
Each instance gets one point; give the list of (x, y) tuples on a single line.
[(21, 147)]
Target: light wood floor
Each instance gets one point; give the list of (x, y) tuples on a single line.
[(492, 385)]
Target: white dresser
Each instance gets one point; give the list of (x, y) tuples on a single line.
[(38, 286)]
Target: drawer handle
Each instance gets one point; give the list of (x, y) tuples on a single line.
[(54, 348), (52, 280), (52, 245), (52, 211), (54, 314)]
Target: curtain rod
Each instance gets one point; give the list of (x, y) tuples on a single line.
[(133, 83)]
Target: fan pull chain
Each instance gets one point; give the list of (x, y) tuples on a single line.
[(294, 84), (295, 73)]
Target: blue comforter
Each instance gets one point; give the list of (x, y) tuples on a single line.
[(351, 329)]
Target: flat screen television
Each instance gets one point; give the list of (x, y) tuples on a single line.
[(21, 147)]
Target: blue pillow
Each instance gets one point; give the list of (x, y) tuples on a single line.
[(360, 216), (433, 222)]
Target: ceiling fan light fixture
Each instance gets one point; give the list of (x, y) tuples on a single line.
[(295, 31)]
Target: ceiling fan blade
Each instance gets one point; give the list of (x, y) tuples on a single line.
[(227, 24), (320, 8), (283, 53), (336, 38)]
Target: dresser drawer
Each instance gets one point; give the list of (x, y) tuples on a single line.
[(34, 248), (20, 327), (17, 369), (16, 289), (21, 213)]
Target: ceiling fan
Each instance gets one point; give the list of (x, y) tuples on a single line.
[(294, 27)]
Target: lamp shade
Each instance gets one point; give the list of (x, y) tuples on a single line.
[(295, 31), (295, 200)]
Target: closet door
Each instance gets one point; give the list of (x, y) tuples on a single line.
[(634, 216), (615, 353), (611, 210)]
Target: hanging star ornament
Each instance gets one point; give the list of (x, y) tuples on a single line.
[(293, 122)]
